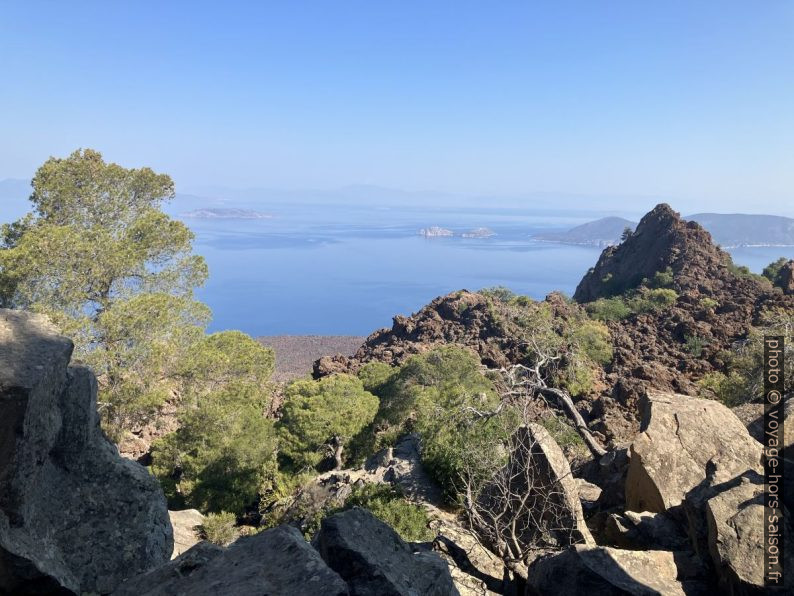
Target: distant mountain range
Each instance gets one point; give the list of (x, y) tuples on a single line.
[(226, 213), (726, 229)]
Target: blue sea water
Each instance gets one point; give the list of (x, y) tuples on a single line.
[(344, 270)]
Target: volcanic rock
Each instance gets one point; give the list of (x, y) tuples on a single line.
[(74, 516)]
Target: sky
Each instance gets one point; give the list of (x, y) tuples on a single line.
[(685, 101)]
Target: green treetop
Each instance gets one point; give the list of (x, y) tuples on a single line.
[(320, 414), (113, 271)]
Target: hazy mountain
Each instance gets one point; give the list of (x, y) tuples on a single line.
[(226, 213), (739, 229), (601, 232), (726, 229)]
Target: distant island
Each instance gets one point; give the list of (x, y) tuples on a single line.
[(739, 229), (435, 232), (479, 233), (226, 213), (601, 232), (727, 229)]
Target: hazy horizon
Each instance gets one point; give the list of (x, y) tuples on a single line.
[(640, 103)]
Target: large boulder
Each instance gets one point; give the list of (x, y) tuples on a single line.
[(726, 526), (375, 561), (604, 571), (679, 436), (273, 563), (644, 531), (534, 499), (74, 516)]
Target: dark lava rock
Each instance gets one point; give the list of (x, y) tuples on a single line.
[(375, 561), (276, 562), (74, 516)]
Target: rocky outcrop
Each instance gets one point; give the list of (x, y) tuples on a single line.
[(716, 306), (186, 525), (475, 570), (603, 571), (680, 437), (74, 516), (375, 561), (274, 562)]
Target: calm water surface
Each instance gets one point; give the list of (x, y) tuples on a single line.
[(325, 269)]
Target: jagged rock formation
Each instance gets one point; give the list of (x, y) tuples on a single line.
[(681, 437), (74, 516), (375, 561), (277, 561), (650, 349)]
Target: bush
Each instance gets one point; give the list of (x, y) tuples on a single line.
[(694, 345), (608, 309), (729, 389), (375, 375), (708, 303), (219, 528), (562, 432), (499, 293), (772, 270), (594, 341), (662, 279), (653, 300), (388, 505), (222, 455)]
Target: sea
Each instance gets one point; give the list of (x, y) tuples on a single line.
[(338, 269)]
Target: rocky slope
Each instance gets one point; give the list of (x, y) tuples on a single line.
[(715, 305)]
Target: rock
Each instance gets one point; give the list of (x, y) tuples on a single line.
[(644, 531), (589, 493), (680, 435), (752, 416), (726, 526), (650, 349), (475, 570), (375, 561), (186, 529), (535, 494), (274, 562), (74, 516), (603, 571)]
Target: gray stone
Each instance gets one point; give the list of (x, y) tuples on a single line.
[(375, 561), (276, 562), (74, 516), (644, 531), (679, 436), (604, 571)]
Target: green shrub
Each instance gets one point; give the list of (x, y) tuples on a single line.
[(319, 415), (708, 303), (499, 293), (729, 389), (594, 341), (608, 309), (653, 300), (410, 521), (221, 456), (374, 375), (662, 279), (219, 528), (694, 345)]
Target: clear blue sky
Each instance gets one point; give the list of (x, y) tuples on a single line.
[(674, 99)]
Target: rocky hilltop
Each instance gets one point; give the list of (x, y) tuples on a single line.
[(715, 305)]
